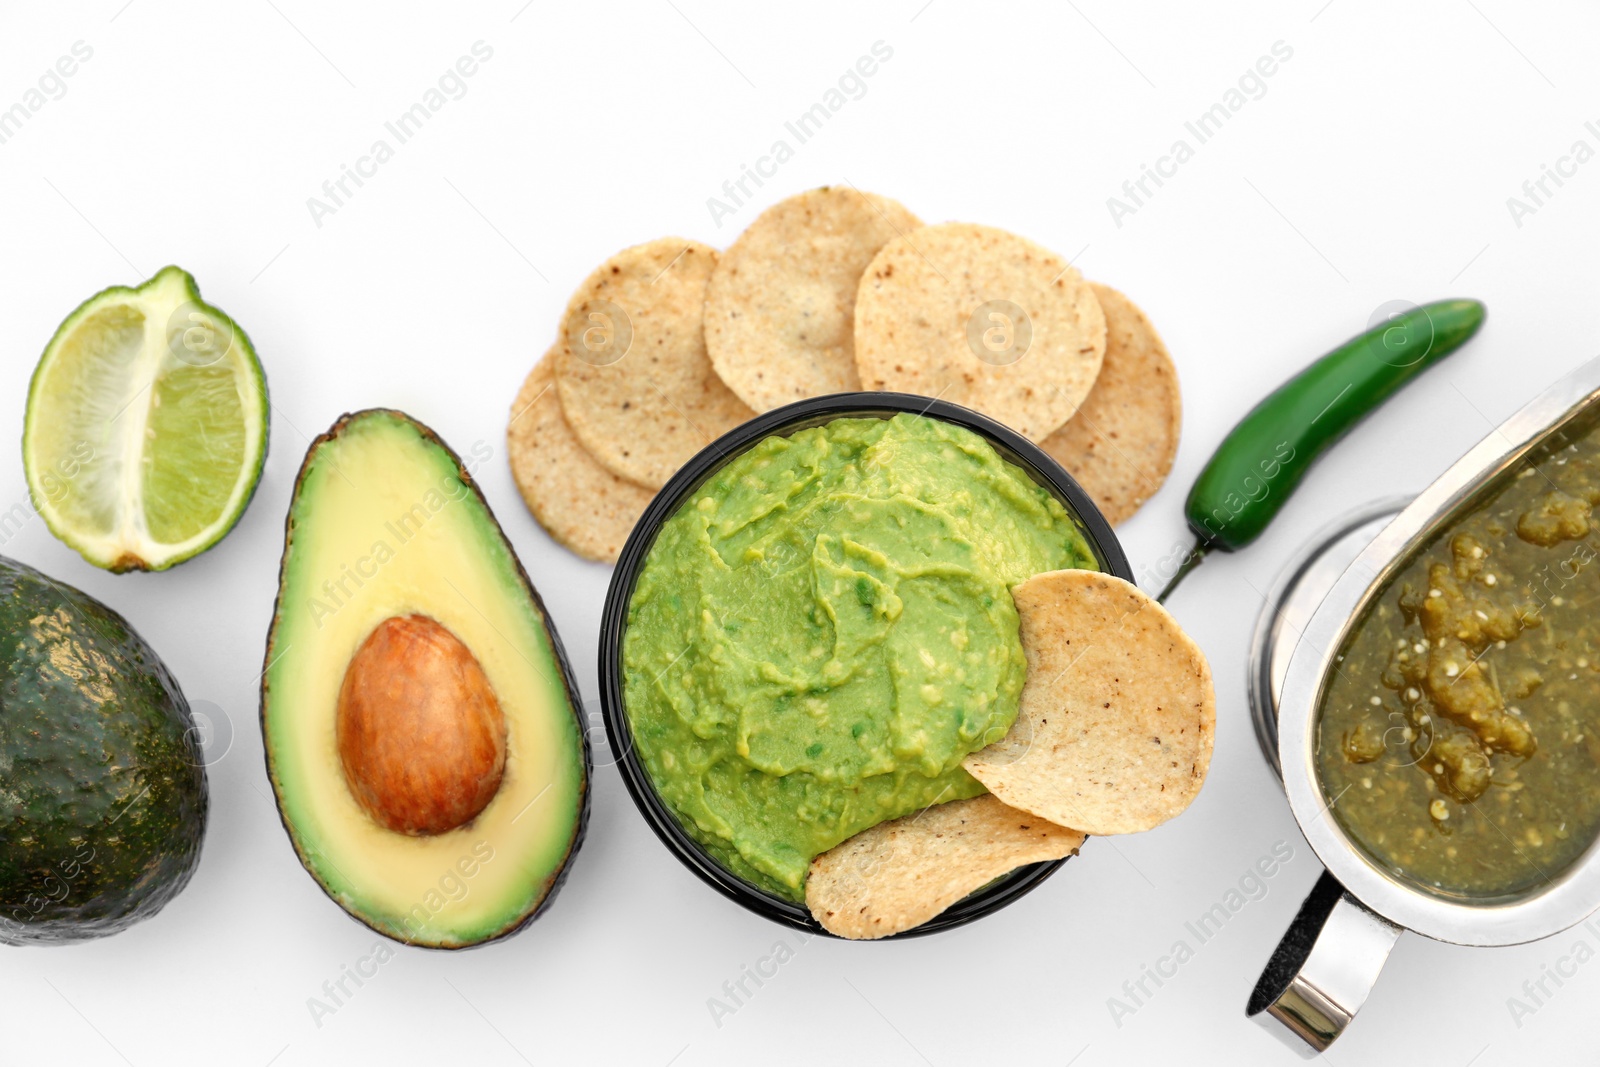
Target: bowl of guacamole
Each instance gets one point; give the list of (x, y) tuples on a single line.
[(812, 625)]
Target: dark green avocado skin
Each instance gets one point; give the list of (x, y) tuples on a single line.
[(103, 794)]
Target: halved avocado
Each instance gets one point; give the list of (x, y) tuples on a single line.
[(419, 716)]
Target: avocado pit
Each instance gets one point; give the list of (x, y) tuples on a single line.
[(420, 732)]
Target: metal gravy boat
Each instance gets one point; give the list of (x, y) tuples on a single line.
[(1325, 966)]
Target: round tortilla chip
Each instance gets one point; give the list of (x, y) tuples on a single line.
[(578, 502), (981, 317), (899, 874), (1121, 443), (1117, 715), (780, 309), (631, 364)]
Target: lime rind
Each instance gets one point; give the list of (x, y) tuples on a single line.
[(127, 544)]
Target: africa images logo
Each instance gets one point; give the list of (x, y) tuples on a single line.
[(851, 85), (51, 85), (338, 191)]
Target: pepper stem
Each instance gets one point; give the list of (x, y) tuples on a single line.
[(1190, 562)]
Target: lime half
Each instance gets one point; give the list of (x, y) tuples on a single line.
[(147, 423)]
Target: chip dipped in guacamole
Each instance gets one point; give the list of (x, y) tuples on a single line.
[(825, 629)]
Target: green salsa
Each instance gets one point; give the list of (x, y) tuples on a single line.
[(1458, 742), (824, 630)]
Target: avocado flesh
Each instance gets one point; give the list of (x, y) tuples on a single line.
[(102, 782), (386, 523)]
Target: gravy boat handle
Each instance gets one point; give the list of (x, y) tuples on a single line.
[(1322, 970)]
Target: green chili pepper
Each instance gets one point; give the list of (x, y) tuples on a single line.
[(1262, 460)]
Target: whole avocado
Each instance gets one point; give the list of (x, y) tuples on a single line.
[(103, 793)]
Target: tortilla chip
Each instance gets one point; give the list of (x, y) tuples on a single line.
[(636, 386), (1121, 443), (780, 309), (984, 318), (899, 874), (578, 502), (903, 872), (1115, 730)]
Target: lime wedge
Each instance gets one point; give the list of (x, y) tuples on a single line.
[(146, 428)]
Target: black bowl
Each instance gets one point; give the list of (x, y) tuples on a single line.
[(783, 421)]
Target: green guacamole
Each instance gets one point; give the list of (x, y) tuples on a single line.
[(825, 629)]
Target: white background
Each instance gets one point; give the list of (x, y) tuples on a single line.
[(1376, 167)]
